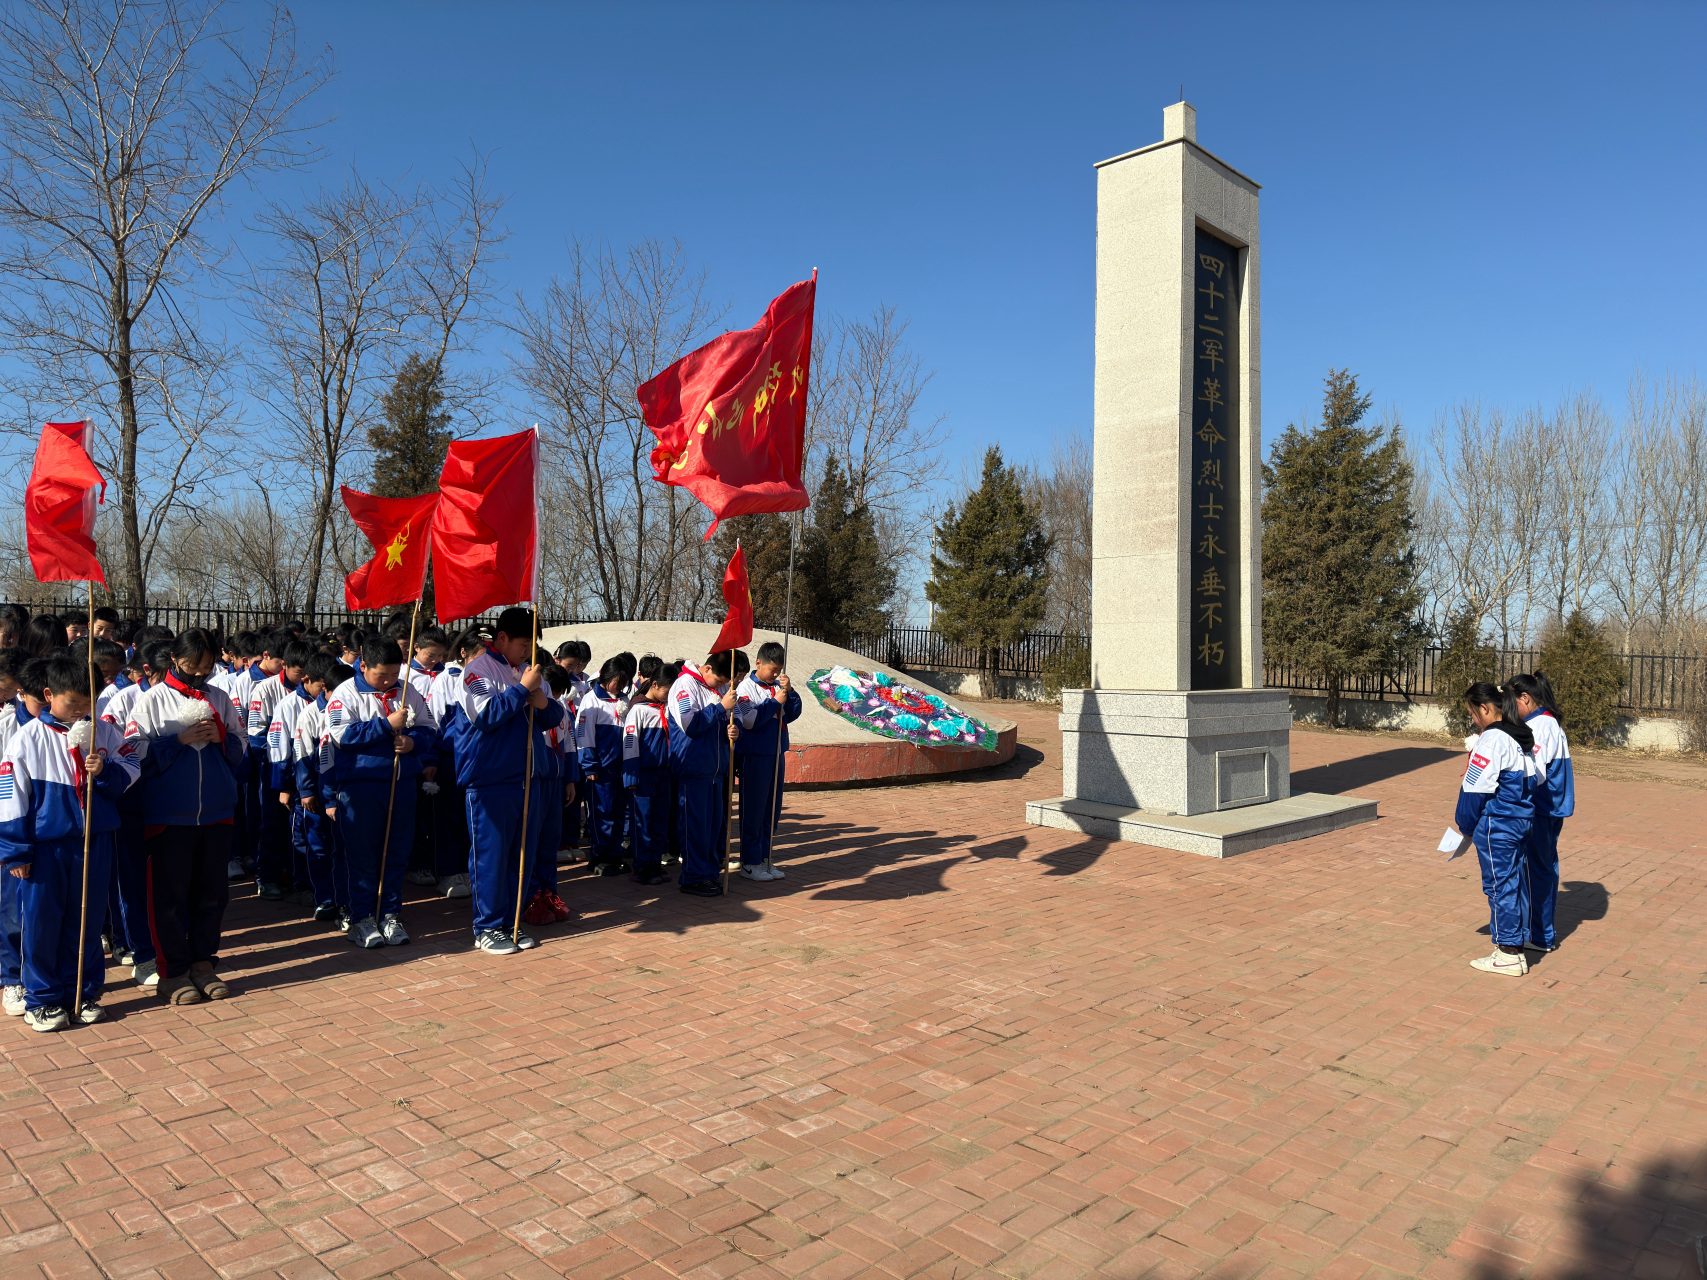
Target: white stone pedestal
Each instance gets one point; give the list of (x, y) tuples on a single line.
[(1204, 772)]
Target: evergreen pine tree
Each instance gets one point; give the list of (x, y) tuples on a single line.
[(409, 443), (1465, 659), (764, 540), (1339, 566), (842, 587), (1586, 676), (990, 575)]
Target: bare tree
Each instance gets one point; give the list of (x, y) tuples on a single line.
[(1063, 494), (1572, 491), (591, 338), (124, 124), (360, 276)]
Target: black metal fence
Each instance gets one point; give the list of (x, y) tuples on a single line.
[(182, 617), (920, 647), (1653, 683)]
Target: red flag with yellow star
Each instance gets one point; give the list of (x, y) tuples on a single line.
[(730, 418), (399, 531)]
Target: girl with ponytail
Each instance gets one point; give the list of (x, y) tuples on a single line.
[(1496, 809), (1555, 800)]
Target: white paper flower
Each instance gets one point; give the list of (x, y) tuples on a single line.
[(1470, 741), (429, 788), (195, 713), (81, 736)]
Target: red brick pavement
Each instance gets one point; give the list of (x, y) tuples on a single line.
[(949, 1045)]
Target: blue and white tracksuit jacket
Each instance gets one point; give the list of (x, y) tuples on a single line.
[(764, 719), (13, 717), (646, 776), (699, 749), (356, 718), (41, 825), (186, 786), (1555, 800), (492, 763), (598, 743), (281, 738), (1496, 807)]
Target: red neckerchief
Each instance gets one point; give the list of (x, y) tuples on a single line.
[(175, 681), (696, 675)]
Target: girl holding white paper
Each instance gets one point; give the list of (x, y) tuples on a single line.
[(1555, 800), (1496, 808)]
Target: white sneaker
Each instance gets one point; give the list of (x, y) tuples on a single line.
[(365, 933), (1512, 966), (755, 872), (12, 1001), (147, 974), (421, 877), (90, 1014), (456, 886), (234, 870), (54, 1019), (775, 872), (395, 935)]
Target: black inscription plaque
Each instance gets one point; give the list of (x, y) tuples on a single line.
[(1214, 472)]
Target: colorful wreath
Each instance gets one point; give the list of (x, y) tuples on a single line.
[(878, 702)]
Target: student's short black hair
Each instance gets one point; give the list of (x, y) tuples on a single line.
[(397, 626), (669, 673), (320, 667), (42, 633), (105, 648), (514, 622), (33, 678), (12, 663), (156, 655), (650, 665), (558, 679), (470, 641), (340, 673), (15, 615), (248, 645), (381, 651), (612, 670), (432, 635), (722, 663), (345, 630), (742, 665), (770, 651), (149, 634), (541, 658), (629, 664), (296, 627), (296, 652), (68, 675), (274, 643), (106, 613), (193, 643), (570, 649)]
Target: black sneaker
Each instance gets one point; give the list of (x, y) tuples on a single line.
[(704, 889)]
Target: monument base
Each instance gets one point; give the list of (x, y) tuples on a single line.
[(1214, 835), (1202, 771)]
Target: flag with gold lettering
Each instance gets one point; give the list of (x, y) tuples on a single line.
[(730, 418), (399, 529)]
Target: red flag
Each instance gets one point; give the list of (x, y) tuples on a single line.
[(401, 532), (486, 531), (59, 506), (731, 417), (738, 593)]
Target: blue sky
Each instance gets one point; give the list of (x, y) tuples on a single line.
[(1459, 200)]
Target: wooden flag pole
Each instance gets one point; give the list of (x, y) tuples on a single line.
[(527, 789), (782, 707), (88, 807), (396, 760)]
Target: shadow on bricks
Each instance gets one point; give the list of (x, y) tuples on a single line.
[(1362, 771)]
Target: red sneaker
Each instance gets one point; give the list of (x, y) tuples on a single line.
[(559, 908), (539, 910)]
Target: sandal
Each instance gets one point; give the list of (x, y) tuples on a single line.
[(209, 983), (180, 991)]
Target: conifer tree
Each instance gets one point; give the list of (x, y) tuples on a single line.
[(1339, 566), (842, 587), (1465, 659), (409, 443), (764, 542), (990, 574)]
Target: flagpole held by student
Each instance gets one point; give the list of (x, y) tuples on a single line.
[(700, 705), (766, 704)]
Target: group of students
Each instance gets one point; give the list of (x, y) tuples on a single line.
[(333, 768), (1512, 804)]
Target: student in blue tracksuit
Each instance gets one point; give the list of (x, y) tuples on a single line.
[(300, 722), (491, 763), (128, 901), (598, 740), (284, 655), (450, 838), (701, 706), (19, 673), (1496, 808), (647, 776), (190, 739), (326, 768), (43, 776), (552, 752), (1555, 800), (382, 730), (765, 705)]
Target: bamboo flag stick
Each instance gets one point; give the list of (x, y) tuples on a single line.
[(775, 815), (88, 807), (527, 789), (396, 760)]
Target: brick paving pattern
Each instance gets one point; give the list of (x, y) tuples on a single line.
[(949, 1045)]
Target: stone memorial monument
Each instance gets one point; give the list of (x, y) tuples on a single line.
[(1176, 743)]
